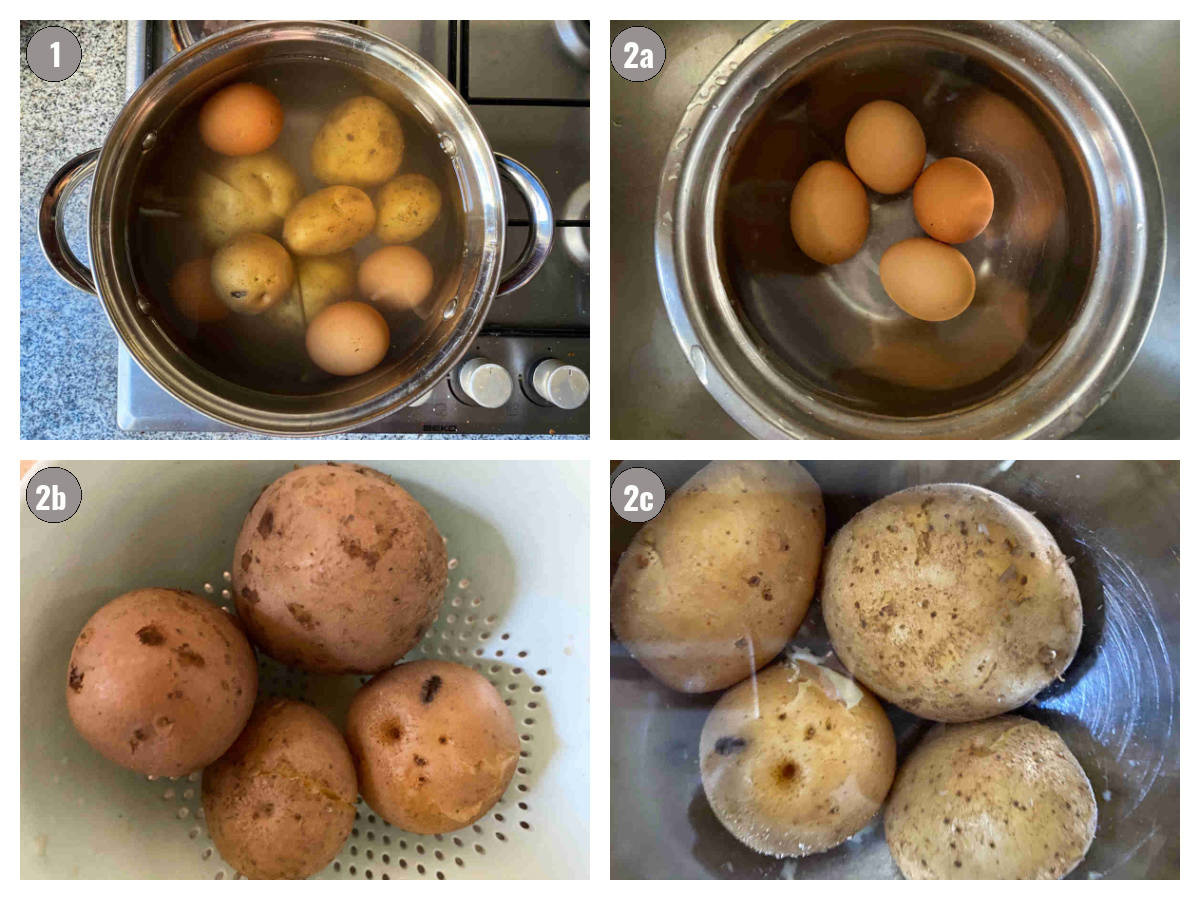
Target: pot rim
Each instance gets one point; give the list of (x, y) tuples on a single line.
[(1096, 350), (129, 316)]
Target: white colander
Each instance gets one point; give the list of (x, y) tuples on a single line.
[(515, 610)]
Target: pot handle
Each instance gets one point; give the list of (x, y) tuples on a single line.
[(51, 231), (541, 231)]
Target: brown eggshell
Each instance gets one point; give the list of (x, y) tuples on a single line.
[(953, 200), (797, 760), (347, 338), (241, 119), (926, 279), (885, 146), (160, 681), (951, 602), (713, 587), (999, 799), (434, 745), (338, 570), (280, 802), (829, 213), (192, 292)]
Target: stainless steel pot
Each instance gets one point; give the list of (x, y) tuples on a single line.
[(1068, 272), (1117, 705), (460, 312)]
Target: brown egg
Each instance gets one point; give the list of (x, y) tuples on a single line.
[(241, 119), (347, 338), (397, 277), (927, 280), (191, 290), (830, 214), (885, 146), (952, 200)]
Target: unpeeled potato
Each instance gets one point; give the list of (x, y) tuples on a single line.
[(252, 273), (244, 194), (1002, 798), (330, 221), (360, 143), (408, 206), (711, 589)]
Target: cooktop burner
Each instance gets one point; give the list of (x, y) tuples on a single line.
[(527, 84)]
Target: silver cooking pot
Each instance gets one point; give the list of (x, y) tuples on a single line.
[(1068, 271), (409, 372)]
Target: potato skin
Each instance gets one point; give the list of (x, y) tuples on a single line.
[(408, 206), (160, 681), (244, 194), (803, 766), (330, 221), (280, 802), (722, 576), (951, 602), (360, 143), (338, 570), (434, 745), (1002, 798), (252, 273)]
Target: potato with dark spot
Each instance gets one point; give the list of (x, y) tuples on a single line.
[(951, 602), (434, 745), (796, 759), (711, 589), (1003, 798), (252, 273), (330, 221), (338, 570), (280, 802), (161, 681), (360, 143)]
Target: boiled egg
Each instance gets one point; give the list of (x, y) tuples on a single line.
[(829, 213), (885, 146), (396, 277), (347, 338), (952, 200), (241, 119), (926, 279)]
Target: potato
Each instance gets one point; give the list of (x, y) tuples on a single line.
[(338, 570), (321, 281), (280, 802), (244, 194), (330, 221), (796, 759), (434, 745), (360, 143), (1004, 798), (252, 273), (408, 206), (161, 681), (951, 602), (712, 588)]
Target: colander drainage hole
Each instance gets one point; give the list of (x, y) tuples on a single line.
[(458, 861), (420, 869), (479, 849)]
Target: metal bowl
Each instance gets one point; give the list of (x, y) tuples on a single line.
[(467, 291), (1117, 706), (1067, 272)]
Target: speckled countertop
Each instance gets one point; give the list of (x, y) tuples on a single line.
[(68, 348)]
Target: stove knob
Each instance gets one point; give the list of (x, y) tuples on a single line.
[(485, 382), (563, 385)]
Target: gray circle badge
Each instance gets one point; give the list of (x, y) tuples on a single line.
[(638, 54), (637, 495), (53, 494), (54, 53)]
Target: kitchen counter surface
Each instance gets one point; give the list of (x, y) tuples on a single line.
[(654, 391)]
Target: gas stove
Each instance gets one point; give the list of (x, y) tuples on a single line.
[(527, 84)]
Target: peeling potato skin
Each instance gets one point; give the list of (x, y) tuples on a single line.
[(1002, 798), (951, 602), (161, 681), (808, 772), (280, 802), (714, 586), (338, 570), (434, 745)]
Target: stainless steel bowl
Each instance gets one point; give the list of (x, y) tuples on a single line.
[(409, 372), (1068, 271), (1117, 706)]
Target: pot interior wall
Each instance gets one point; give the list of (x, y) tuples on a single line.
[(832, 330)]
